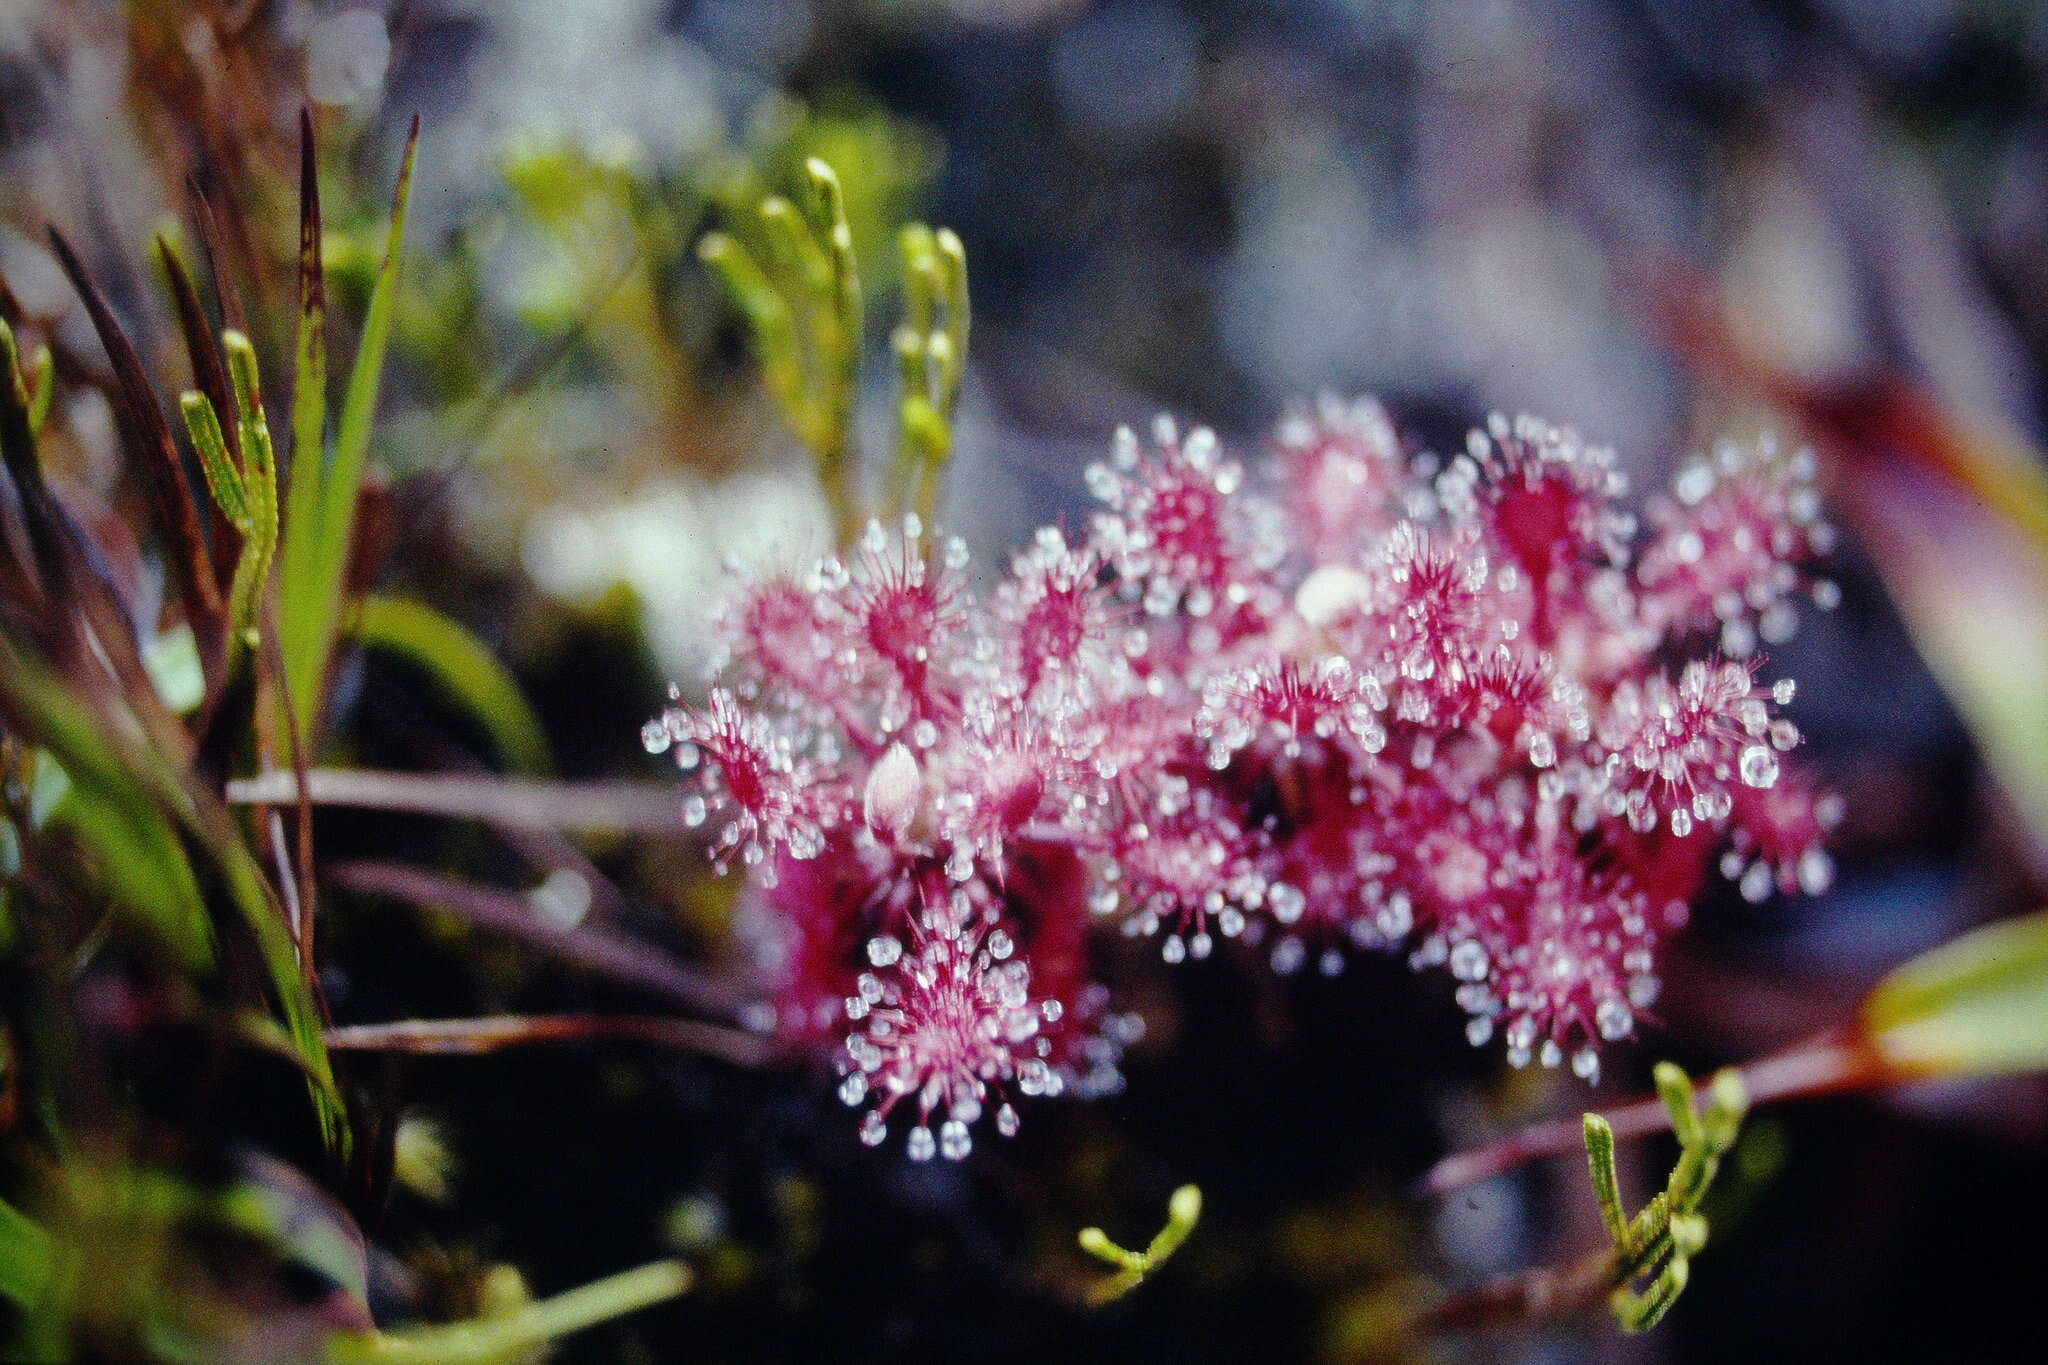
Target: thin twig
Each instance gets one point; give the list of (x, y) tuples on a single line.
[(1820, 1066), (598, 950), (518, 803), (1539, 1295), (546, 850), (490, 1033)]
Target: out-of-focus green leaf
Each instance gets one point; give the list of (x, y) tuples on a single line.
[(320, 501), (28, 1257), (279, 1205), (1977, 1005), (33, 1272), (42, 377), (488, 1341), (119, 826), (145, 869), (129, 808), (462, 665), (1970, 584)]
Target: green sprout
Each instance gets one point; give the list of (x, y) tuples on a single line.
[(1183, 1210), (246, 493), (931, 354), (1659, 1242), (805, 313), (803, 305)]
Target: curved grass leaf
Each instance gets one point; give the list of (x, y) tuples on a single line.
[(487, 1341), (1976, 1006), (460, 663)]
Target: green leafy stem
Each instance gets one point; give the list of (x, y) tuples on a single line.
[(246, 493), (1183, 1211), (931, 354), (802, 301), (1658, 1243)]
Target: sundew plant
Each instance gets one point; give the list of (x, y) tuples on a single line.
[(1334, 695), (601, 760)]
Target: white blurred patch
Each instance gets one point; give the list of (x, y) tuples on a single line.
[(563, 899), (347, 54), (1790, 282), (1484, 1229), (670, 542)]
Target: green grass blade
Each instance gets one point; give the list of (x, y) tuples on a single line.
[(118, 825), (302, 1019), (146, 873), (486, 1341), (472, 675), (128, 807), (297, 565), (317, 546)]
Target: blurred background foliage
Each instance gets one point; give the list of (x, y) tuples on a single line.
[(1663, 221)]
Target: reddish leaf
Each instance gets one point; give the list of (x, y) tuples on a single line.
[(149, 437), (225, 296)]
